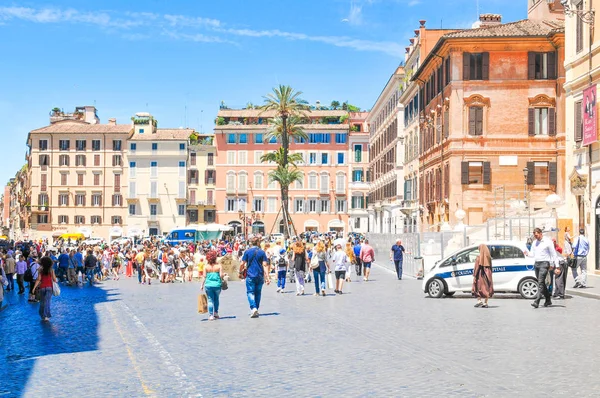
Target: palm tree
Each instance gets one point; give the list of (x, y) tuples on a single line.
[(277, 157), (294, 130), (286, 176), (335, 105)]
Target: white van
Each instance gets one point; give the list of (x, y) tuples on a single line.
[(512, 271)]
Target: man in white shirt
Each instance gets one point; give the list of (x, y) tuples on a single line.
[(542, 250), (581, 248)]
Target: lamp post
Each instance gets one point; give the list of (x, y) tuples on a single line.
[(246, 219)]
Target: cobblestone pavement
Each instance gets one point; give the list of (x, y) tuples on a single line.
[(381, 338)]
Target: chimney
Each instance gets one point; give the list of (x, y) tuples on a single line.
[(112, 121), (490, 20)]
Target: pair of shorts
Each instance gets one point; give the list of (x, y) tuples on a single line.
[(340, 274), (366, 265)]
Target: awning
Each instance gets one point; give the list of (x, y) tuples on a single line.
[(116, 231), (72, 236), (86, 231), (336, 224), (311, 223)]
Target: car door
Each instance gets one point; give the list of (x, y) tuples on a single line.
[(447, 271), (465, 262), (509, 264)]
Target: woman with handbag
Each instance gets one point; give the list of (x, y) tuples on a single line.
[(299, 265), (483, 283), (320, 256), (45, 281), (211, 284)]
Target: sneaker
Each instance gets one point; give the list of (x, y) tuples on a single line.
[(297, 293), (211, 318), (316, 294), (254, 313), (216, 316), (576, 285), (547, 303), (323, 293), (278, 289), (479, 304)]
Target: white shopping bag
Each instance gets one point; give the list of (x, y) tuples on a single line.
[(330, 281), (79, 278)]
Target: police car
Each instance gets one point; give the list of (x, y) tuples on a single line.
[(512, 271)]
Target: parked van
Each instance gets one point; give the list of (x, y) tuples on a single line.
[(195, 233)]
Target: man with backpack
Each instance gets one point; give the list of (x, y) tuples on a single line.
[(256, 266)]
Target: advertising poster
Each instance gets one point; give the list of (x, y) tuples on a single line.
[(589, 116)]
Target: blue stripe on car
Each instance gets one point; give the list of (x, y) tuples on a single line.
[(504, 268)]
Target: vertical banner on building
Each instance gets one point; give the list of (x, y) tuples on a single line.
[(589, 116)]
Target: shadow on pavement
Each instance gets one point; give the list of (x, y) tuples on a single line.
[(24, 337)]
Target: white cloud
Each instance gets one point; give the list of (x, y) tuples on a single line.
[(413, 3), (197, 37), (181, 20), (355, 15)]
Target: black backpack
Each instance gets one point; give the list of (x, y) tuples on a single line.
[(28, 276), (281, 262)]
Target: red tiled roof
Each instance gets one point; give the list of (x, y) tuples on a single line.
[(522, 28), (163, 135), (80, 127)]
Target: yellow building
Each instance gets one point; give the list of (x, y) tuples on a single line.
[(202, 179)]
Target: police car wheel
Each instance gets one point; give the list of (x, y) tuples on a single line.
[(436, 288), (528, 288), (449, 294)]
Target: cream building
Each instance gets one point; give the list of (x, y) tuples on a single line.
[(582, 68), (77, 176), (358, 165), (156, 195), (201, 179)]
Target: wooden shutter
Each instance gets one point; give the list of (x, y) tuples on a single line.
[(530, 173), (531, 122), (552, 172), (487, 173), (472, 119), (479, 121), (531, 66), (552, 72), (67, 203), (446, 124), (113, 200), (83, 202), (485, 66), (99, 200), (466, 66), (578, 128), (206, 176), (552, 122), (464, 173)]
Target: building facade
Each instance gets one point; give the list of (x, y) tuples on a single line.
[(76, 172), (157, 177), (358, 166), (202, 180), (491, 109), (244, 192)]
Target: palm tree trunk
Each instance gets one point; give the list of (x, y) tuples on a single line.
[(285, 212), (284, 141)]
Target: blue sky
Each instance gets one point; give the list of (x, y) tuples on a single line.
[(128, 56)]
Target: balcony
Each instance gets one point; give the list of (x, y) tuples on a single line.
[(210, 181), (230, 190), (193, 181), (340, 190)]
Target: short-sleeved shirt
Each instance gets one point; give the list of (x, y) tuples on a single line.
[(63, 260), (258, 256), (79, 259), (398, 252)]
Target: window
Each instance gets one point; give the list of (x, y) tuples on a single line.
[(182, 147), (141, 131), (357, 175), (63, 199), (96, 179), (210, 176), (500, 252), (476, 66), (79, 219), (243, 138), (210, 197), (132, 209), (541, 66), (231, 204), (116, 145), (357, 222), (42, 218), (117, 182), (117, 161), (210, 160), (155, 146), (299, 184), (324, 183), (133, 147), (80, 179), (230, 183), (257, 156), (43, 145), (153, 169), (80, 160), (181, 210), (257, 205), (299, 140), (541, 173), (117, 200), (63, 179), (96, 160), (358, 202), (273, 140), (96, 199), (579, 27), (230, 157), (258, 181), (153, 189), (231, 138), (312, 158), (132, 169), (44, 160), (340, 183), (358, 153), (341, 138), (153, 209), (193, 159), (63, 219), (116, 220), (542, 121), (340, 158), (80, 145), (578, 128), (242, 182), (476, 120), (209, 216), (132, 189), (63, 160), (312, 181), (181, 169), (42, 199), (96, 220), (299, 205), (80, 199), (181, 190), (319, 138), (243, 157), (475, 173), (324, 158), (43, 182), (312, 205), (340, 205), (324, 206), (258, 138), (271, 205), (63, 145), (95, 145)]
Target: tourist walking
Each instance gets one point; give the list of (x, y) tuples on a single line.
[(320, 254), (397, 256), (581, 248), (299, 266), (213, 277), (91, 262), (281, 262), (358, 265), (367, 256), (542, 250), (34, 267), (71, 271), (341, 264), (255, 262), (20, 268), (44, 281), (9, 268), (483, 283)]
